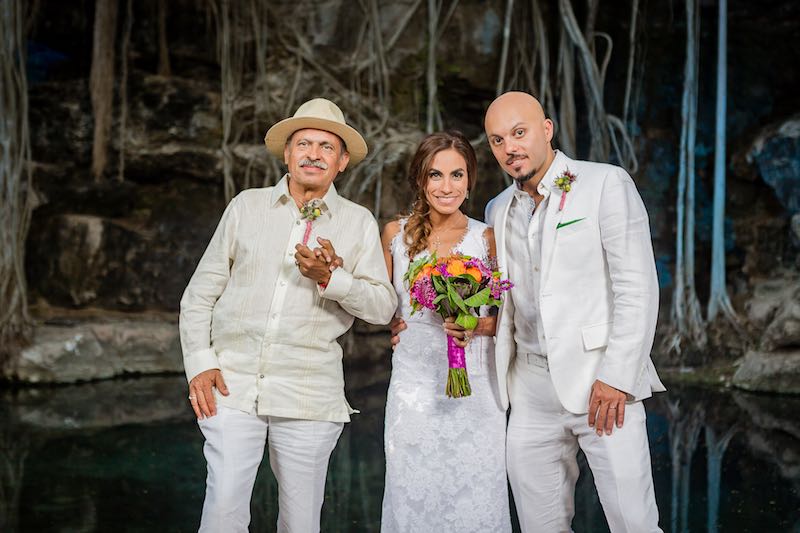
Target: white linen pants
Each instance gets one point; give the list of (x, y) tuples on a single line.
[(299, 451), (542, 446)]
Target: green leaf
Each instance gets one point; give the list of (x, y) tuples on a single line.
[(439, 298), (479, 299), (438, 284), (467, 321), (466, 278), (494, 303), (416, 267), (456, 299)]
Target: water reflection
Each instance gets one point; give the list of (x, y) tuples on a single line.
[(126, 455)]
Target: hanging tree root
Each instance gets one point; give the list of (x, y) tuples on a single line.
[(16, 188)]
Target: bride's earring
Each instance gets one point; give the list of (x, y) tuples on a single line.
[(466, 197)]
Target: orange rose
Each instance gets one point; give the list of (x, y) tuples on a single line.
[(475, 273), (456, 267), (424, 273)]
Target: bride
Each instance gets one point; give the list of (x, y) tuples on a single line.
[(445, 457)]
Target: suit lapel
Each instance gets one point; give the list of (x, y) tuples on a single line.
[(553, 216)]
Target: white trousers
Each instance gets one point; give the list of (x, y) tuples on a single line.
[(542, 446), (298, 454)]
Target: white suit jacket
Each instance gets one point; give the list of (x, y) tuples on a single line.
[(599, 290)]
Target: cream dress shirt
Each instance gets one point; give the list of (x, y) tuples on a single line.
[(525, 227), (271, 331)]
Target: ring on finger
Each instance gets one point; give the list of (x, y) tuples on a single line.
[(192, 397)]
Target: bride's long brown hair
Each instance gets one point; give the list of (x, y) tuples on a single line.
[(418, 226)]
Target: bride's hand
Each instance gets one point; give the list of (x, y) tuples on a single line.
[(460, 335), (486, 327)]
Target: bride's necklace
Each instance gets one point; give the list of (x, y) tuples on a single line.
[(435, 235)]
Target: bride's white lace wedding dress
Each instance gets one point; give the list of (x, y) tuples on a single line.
[(445, 457)]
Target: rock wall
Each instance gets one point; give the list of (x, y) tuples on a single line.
[(130, 246)]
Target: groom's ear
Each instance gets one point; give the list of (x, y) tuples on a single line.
[(549, 129)]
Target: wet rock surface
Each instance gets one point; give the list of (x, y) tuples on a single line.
[(87, 351), (777, 371), (773, 365)]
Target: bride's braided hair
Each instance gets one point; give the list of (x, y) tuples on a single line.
[(418, 226)]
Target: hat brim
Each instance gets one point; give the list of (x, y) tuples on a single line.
[(277, 135)]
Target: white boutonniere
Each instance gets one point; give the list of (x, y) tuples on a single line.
[(311, 209)]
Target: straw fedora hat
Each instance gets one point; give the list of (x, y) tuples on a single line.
[(318, 114)]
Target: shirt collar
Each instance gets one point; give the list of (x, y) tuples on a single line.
[(280, 193)]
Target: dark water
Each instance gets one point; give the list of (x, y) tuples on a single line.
[(126, 456)]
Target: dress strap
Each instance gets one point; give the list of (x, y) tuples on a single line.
[(398, 241)]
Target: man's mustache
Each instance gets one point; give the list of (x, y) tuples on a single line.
[(313, 163), (519, 179)]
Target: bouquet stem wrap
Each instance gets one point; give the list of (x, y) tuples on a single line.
[(457, 379)]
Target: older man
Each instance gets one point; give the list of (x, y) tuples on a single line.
[(574, 337), (260, 317)]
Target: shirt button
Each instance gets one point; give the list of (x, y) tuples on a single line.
[(297, 222), (274, 316), (536, 269), (261, 376), (283, 283)]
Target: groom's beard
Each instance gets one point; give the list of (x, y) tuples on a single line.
[(522, 179)]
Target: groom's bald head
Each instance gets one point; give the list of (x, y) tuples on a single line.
[(519, 135)]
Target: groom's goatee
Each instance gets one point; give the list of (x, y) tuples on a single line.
[(522, 179)]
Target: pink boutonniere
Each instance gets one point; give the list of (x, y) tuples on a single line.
[(564, 182), (309, 212)]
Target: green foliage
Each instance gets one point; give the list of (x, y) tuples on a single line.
[(480, 298), (467, 321)]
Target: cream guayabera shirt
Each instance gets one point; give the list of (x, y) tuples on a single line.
[(249, 312)]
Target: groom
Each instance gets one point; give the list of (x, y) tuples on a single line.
[(574, 335)]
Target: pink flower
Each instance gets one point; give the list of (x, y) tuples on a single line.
[(423, 292)]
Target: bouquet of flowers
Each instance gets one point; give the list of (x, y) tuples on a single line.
[(454, 286)]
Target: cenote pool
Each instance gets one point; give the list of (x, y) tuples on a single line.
[(125, 455)]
